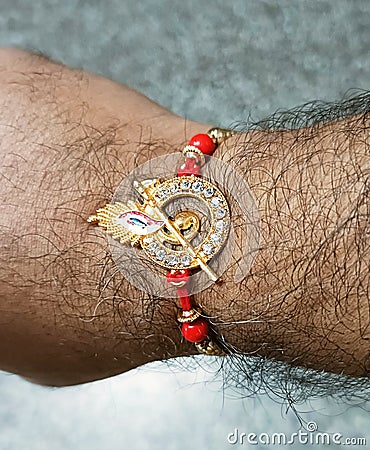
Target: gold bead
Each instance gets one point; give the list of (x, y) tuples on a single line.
[(210, 348), (193, 152), (219, 135), (189, 316)]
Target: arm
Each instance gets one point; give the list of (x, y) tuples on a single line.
[(306, 298), (67, 140)]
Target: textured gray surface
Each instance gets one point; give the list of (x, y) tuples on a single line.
[(212, 61)]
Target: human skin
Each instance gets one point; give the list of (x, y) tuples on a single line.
[(67, 139)]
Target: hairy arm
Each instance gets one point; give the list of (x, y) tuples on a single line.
[(306, 298), (67, 316)]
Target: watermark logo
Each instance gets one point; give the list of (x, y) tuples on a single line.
[(309, 436)]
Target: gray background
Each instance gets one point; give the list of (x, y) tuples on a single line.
[(212, 61)]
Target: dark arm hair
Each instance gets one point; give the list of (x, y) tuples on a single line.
[(68, 316)]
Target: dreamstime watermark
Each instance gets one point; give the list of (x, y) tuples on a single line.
[(310, 436)]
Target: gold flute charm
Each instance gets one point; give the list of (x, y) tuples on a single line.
[(167, 241)]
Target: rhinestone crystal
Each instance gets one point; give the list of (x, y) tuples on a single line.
[(208, 192), (172, 260), (174, 188), (160, 254), (220, 213), (208, 249), (163, 193), (197, 187), (220, 225), (216, 238), (153, 247), (216, 202), (186, 260), (185, 185)]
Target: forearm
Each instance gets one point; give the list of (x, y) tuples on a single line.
[(68, 316), (306, 298)]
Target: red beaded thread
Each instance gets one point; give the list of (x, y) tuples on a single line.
[(197, 330), (190, 167), (184, 298), (204, 143)]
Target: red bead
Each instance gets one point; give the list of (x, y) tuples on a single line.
[(190, 167), (195, 331), (204, 143), (184, 298), (178, 277)]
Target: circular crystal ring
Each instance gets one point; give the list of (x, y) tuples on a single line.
[(219, 216)]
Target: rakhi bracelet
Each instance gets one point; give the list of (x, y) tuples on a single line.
[(167, 241)]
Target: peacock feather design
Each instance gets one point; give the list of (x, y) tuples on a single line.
[(126, 222)]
